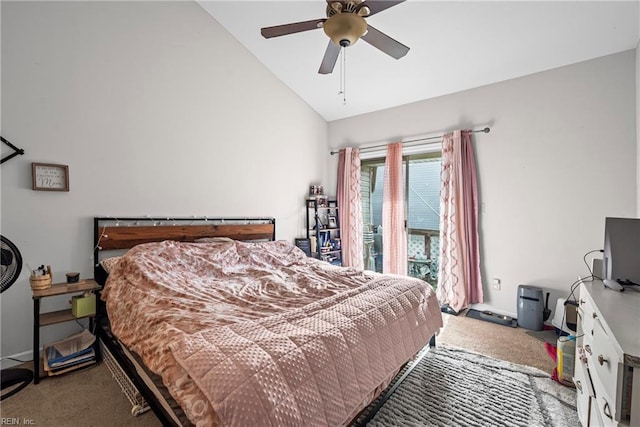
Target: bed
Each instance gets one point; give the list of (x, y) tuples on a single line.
[(216, 323)]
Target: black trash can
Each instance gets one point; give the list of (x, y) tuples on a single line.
[(530, 308)]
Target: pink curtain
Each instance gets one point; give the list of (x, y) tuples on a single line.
[(350, 208), (394, 236), (459, 281)]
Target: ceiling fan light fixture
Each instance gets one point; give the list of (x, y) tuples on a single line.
[(336, 6), (364, 11), (345, 29)]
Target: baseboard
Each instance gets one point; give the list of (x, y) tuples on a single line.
[(486, 307), (26, 356)]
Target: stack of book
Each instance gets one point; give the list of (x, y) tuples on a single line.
[(73, 352)]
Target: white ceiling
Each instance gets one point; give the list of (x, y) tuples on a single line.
[(455, 45)]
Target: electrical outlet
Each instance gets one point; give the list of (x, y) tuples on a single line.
[(495, 283)]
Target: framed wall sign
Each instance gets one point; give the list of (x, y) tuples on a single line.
[(305, 245), (50, 177)]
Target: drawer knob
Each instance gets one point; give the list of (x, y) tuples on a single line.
[(594, 315), (607, 410), (582, 301), (578, 385), (602, 360), (587, 348)]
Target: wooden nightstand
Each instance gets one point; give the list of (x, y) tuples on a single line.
[(50, 318)]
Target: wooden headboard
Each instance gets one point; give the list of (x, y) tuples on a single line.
[(111, 233)]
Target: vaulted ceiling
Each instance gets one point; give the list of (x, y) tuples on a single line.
[(454, 46)]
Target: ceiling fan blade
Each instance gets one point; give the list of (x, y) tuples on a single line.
[(385, 43), (330, 58), (296, 27), (376, 6)]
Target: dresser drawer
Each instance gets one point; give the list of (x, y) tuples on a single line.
[(604, 409), (585, 397), (605, 366)]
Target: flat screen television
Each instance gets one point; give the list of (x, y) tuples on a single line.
[(621, 258)]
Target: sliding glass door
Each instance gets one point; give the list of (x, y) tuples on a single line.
[(422, 202)]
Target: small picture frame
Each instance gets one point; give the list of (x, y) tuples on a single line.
[(315, 190), (305, 245), (49, 177), (332, 222)]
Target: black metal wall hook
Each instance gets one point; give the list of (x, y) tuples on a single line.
[(16, 150)]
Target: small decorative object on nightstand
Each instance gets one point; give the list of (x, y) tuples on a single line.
[(40, 278), (73, 277), (40, 282)]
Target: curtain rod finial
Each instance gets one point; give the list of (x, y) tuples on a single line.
[(486, 130)]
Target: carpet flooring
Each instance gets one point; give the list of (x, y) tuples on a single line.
[(454, 387), (548, 336)]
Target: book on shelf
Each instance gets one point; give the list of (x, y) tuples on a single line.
[(55, 359), (72, 352), (70, 368), (70, 364), (74, 343)]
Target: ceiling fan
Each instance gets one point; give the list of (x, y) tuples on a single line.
[(345, 24)]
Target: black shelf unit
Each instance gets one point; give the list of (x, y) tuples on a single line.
[(323, 229)]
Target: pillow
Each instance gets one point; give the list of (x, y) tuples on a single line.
[(227, 239), (212, 240), (108, 263)]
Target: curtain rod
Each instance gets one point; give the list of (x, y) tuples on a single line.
[(485, 130)]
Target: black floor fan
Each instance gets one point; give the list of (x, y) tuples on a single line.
[(13, 379)]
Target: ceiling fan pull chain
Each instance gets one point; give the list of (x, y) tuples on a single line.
[(343, 76), (341, 90)]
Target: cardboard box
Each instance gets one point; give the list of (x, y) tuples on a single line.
[(565, 317), (83, 306)]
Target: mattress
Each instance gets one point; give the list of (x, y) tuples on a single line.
[(255, 332)]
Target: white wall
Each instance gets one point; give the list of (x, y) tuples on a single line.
[(638, 123), (158, 111), (561, 156)]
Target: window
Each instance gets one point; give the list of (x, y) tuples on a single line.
[(422, 198)]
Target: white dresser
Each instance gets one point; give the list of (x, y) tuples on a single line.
[(607, 370)]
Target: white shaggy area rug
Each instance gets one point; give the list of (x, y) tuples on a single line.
[(454, 387)]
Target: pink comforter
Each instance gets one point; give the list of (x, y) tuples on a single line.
[(259, 334)]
